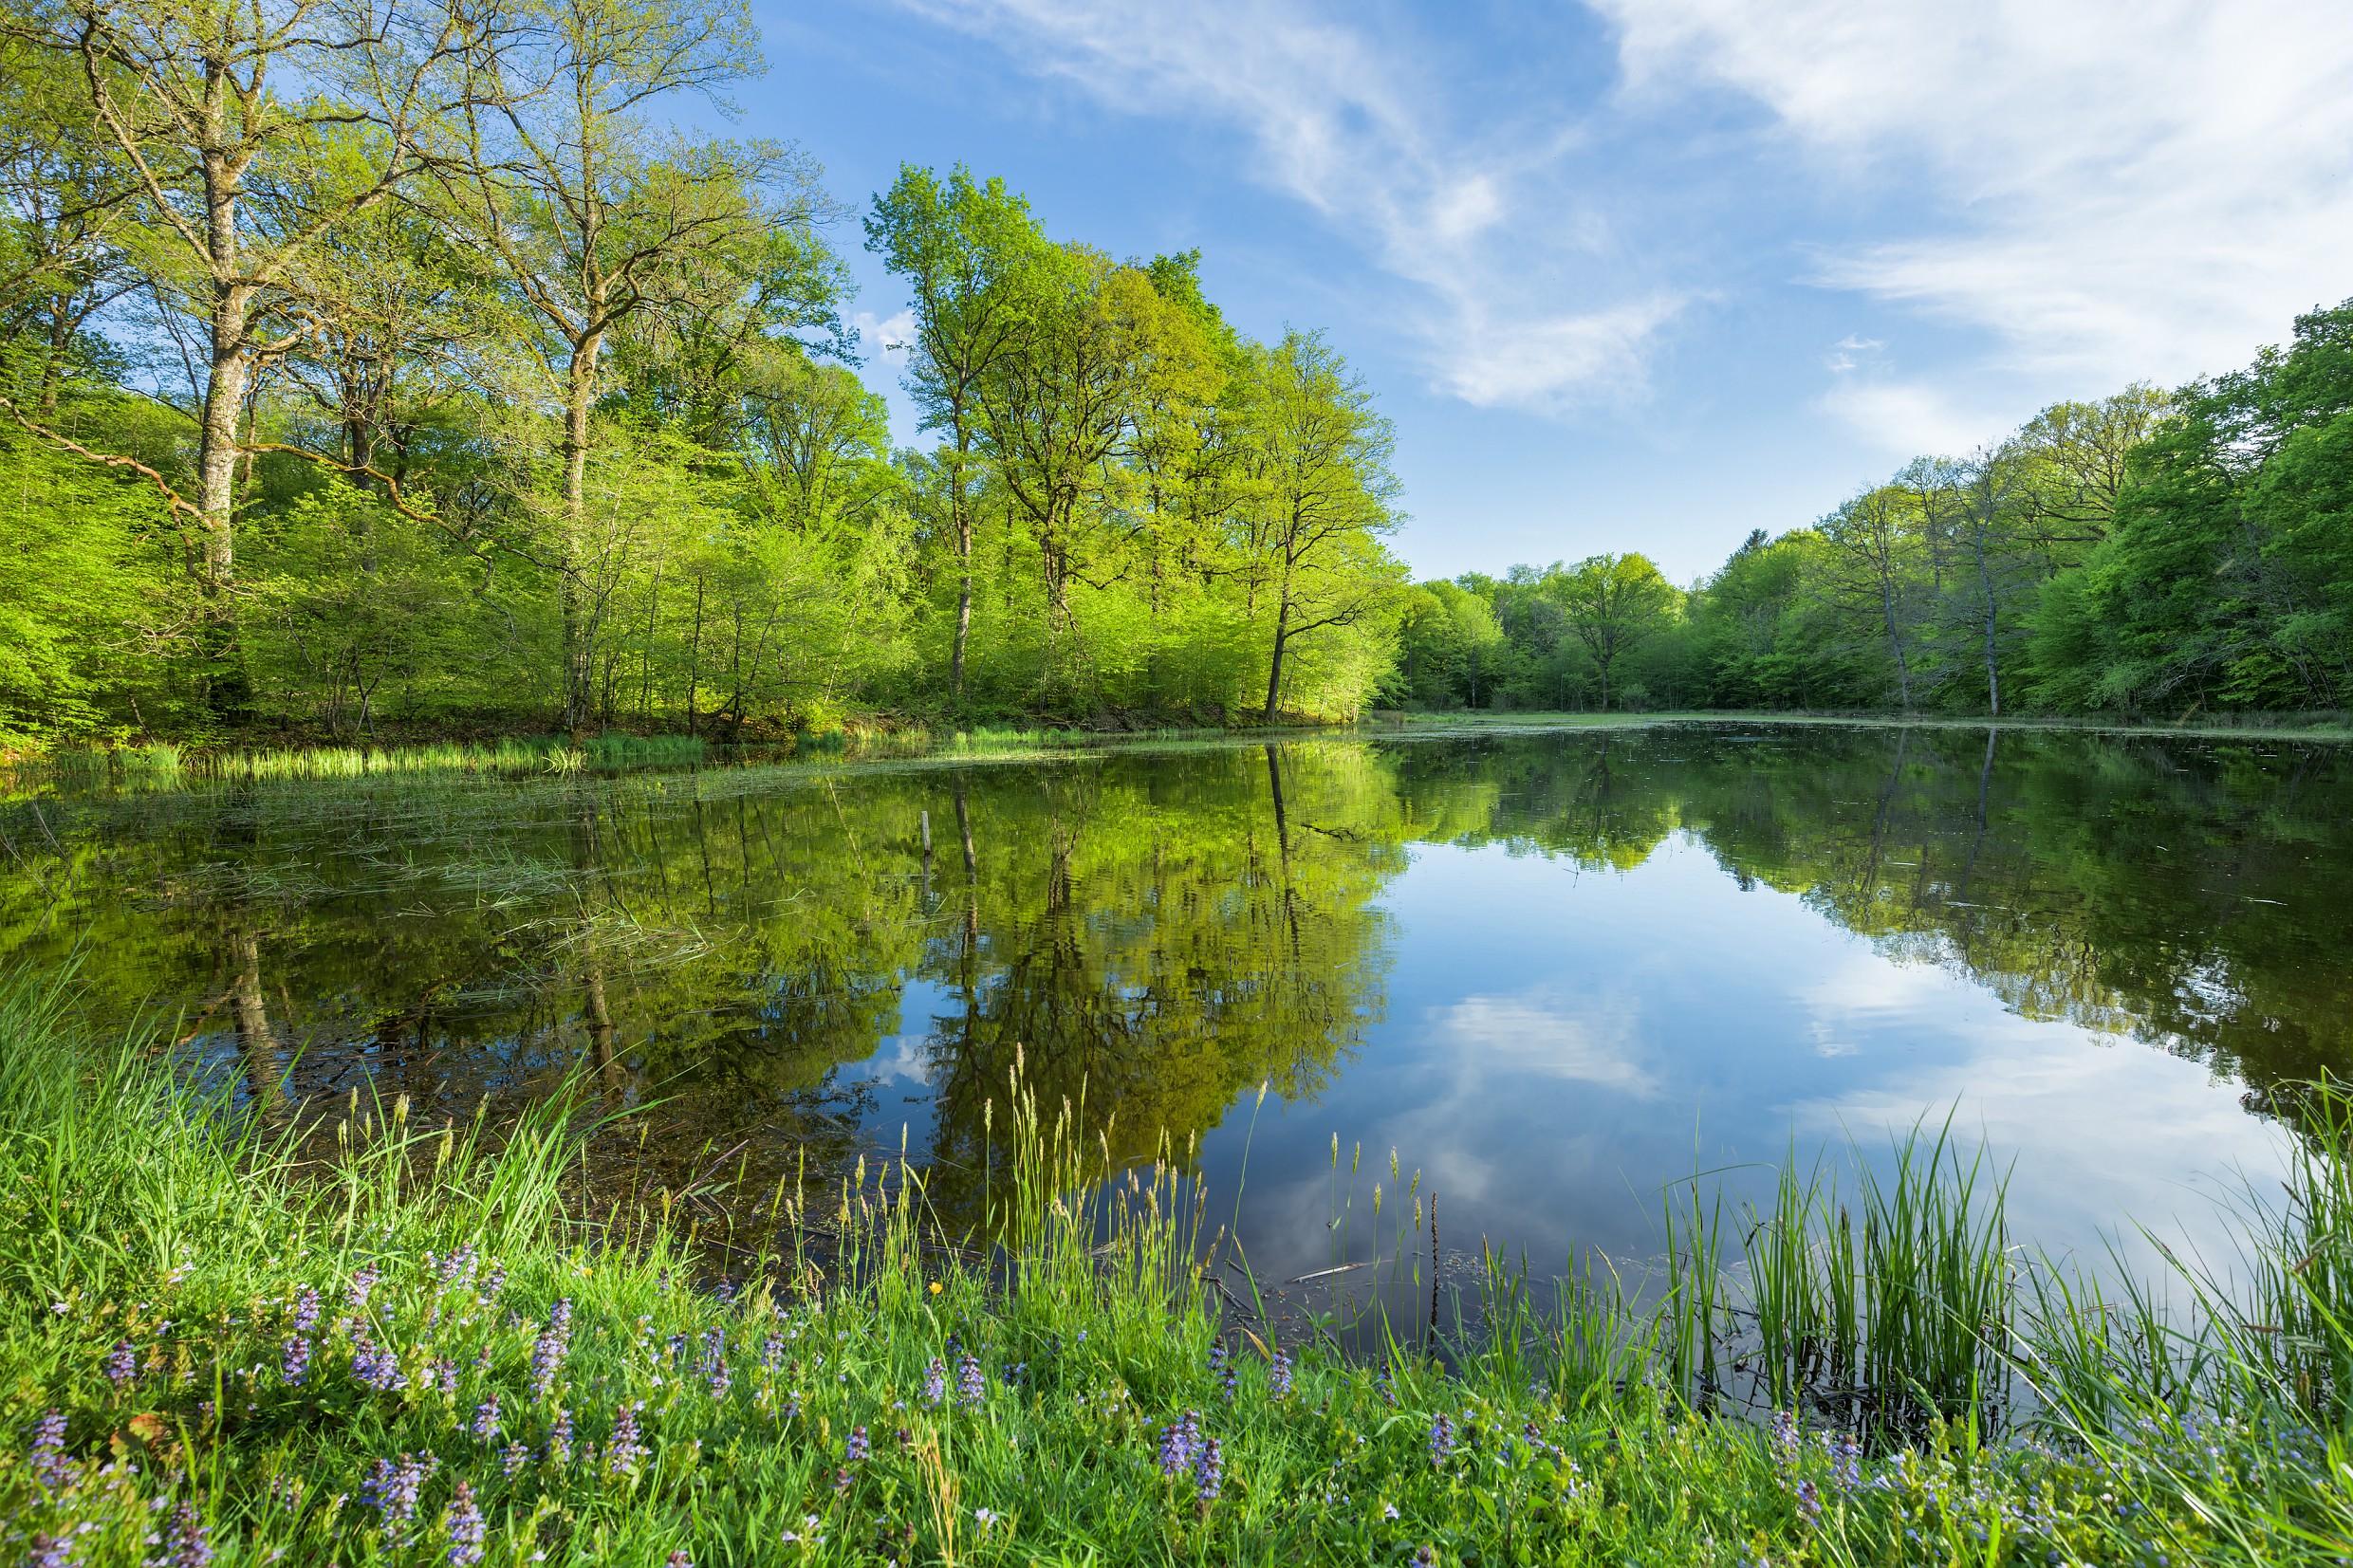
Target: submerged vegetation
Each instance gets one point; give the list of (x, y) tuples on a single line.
[(230, 1337)]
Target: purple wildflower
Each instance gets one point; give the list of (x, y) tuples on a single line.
[(677, 1349), (362, 1286), (935, 1382), (463, 1523), (714, 1363), (1279, 1374), (1386, 1382), (626, 1450), (1426, 1556), (560, 1438), (1209, 1470), (445, 1375), (379, 1368), (50, 1551), (493, 1283), (516, 1456), (46, 1454), (1809, 1503), (485, 1426), (547, 1360), (560, 1320), (1441, 1441), (122, 1363), (294, 1364), (1221, 1367), (305, 1310), (972, 1384), (1784, 1440), (858, 1447), (1179, 1440), (459, 1267), (1845, 1461), (188, 1549), (390, 1489), (771, 1352), (679, 1559)]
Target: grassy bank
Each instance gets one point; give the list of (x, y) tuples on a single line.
[(415, 1350), (162, 765)]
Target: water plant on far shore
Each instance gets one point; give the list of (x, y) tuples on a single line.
[(219, 1346)]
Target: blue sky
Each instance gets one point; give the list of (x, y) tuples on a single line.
[(1642, 274)]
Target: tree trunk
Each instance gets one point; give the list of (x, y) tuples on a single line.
[(1894, 641), (579, 395), (265, 1075), (961, 517), (1994, 672), (1274, 664)]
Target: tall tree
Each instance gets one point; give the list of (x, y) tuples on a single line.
[(963, 247), (1321, 496), (1876, 544), (597, 219), (254, 132), (1614, 604)]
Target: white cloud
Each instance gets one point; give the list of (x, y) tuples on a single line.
[(1542, 1035), (1517, 306), (1908, 417), (885, 338), (2116, 189)]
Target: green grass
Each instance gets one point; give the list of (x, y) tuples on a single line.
[(164, 1251)]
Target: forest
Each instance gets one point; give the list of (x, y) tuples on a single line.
[(2159, 554), (395, 367), (377, 362)]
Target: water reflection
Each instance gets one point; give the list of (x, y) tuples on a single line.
[(1554, 971)]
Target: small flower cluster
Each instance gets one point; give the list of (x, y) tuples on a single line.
[(362, 1286), (714, 1363), (627, 1451), (1279, 1374), (46, 1454), (465, 1526), (1179, 1440), (549, 1351), (1845, 1462), (392, 1490), (560, 1439), (1221, 1367), (187, 1544), (374, 1364), (1441, 1441), (1184, 1451)]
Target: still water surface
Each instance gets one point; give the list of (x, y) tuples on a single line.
[(1554, 971)]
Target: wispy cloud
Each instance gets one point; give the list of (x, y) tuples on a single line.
[(1503, 267), (1546, 1034), (2113, 189)]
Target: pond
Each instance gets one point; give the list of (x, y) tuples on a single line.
[(1551, 973)]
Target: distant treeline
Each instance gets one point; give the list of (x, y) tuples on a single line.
[(388, 362), (2155, 553)]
